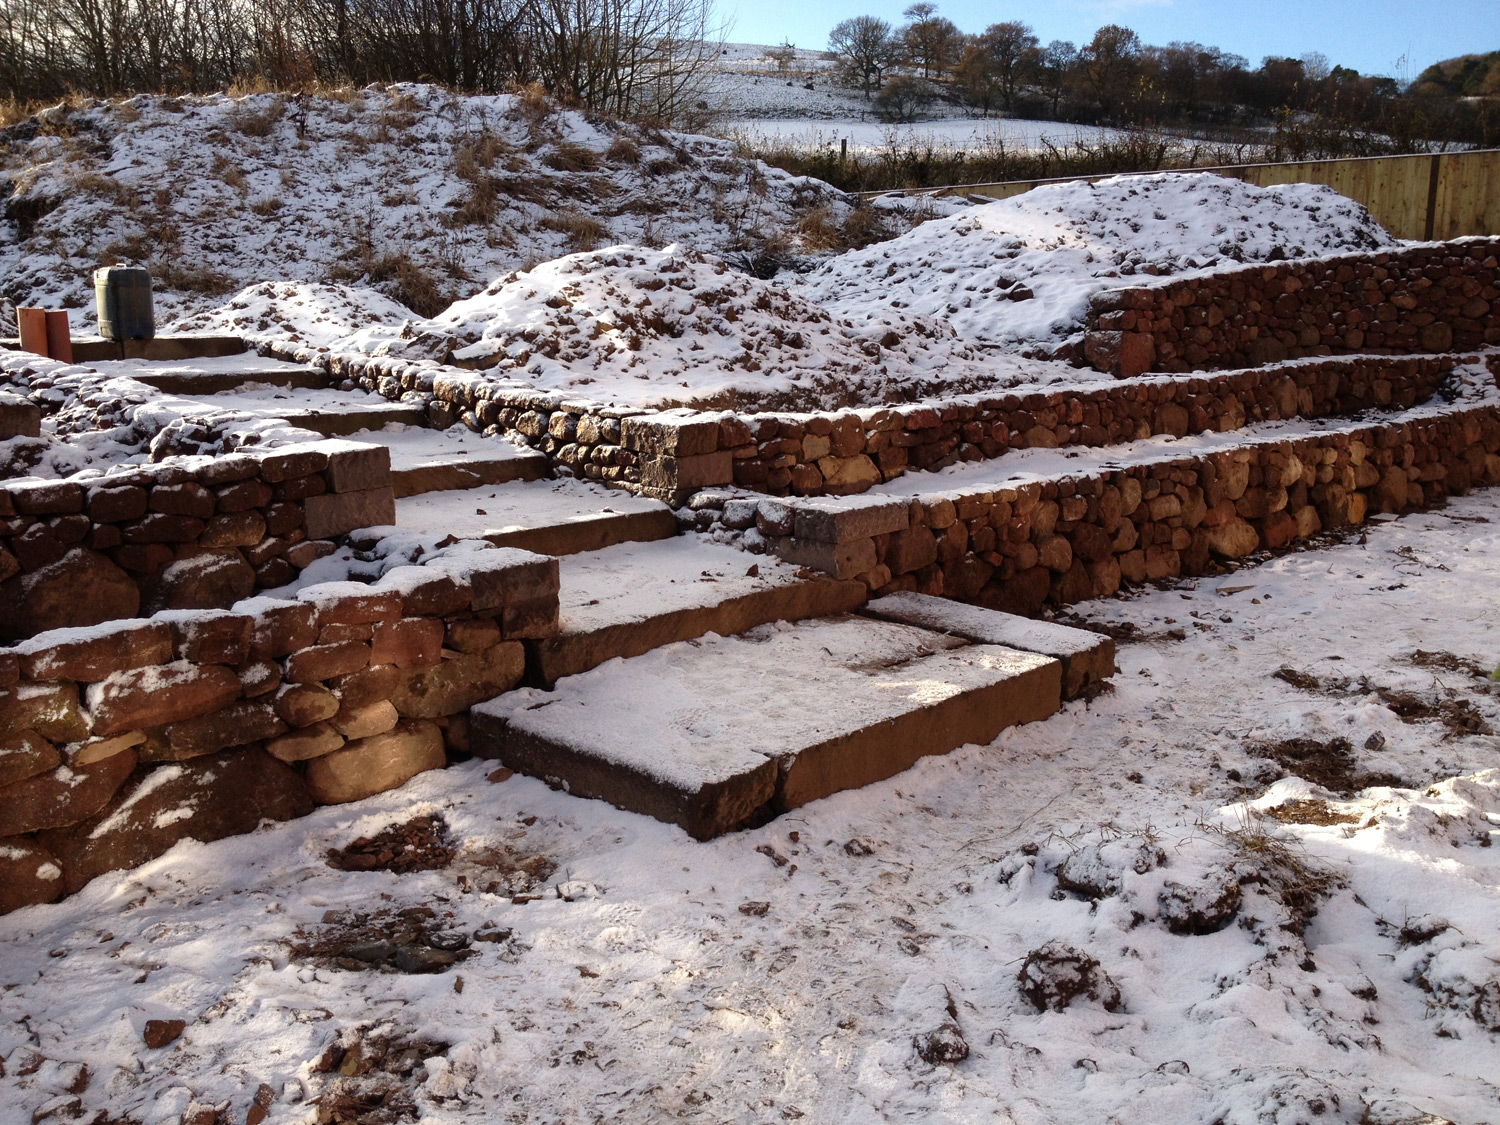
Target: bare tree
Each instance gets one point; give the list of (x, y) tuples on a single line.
[(930, 41), (865, 50), (997, 61), (1109, 64)]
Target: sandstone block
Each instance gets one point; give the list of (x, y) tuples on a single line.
[(302, 705), (911, 550), (323, 662), (293, 461), (117, 504), (664, 435), (189, 498), (428, 591), (208, 798), (471, 634), (241, 497), (19, 417), (530, 620), (215, 579), (373, 765), (412, 642), (306, 744), (23, 754), (367, 685), (29, 873), (456, 685), (33, 497), (841, 560), (49, 709), (81, 588), (505, 575), (363, 722), (152, 697), (238, 724), (108, 648), (338, 513), (351, 603), (355, 466), (279, 627), (840, 521), (239, 529), (209, 636), (64, 796), (666, 472), (1233, 538)]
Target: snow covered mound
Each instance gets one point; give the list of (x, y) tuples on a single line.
[(299, 312), (1019, 272), (635, 326), (412, 190)]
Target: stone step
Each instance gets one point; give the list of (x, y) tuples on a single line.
[(561, 517), (1087, 658), (725, 732), (342, 423), (220, 382), (628, 599), (425, 460)]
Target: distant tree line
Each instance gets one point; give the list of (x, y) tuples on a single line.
[(625, 57), (1116, 78)]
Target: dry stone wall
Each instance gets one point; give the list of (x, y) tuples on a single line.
[(1017, 548), (189, 533), (118, 740), (1436, 297), (671, 454)]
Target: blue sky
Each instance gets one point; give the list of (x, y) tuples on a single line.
[(1369, 35)]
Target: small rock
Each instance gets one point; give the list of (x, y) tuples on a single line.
[(755, 909), (945, 1044), (158, 1033), (1376, 741)]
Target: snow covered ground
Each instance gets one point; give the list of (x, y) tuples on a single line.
[(1020, 271), (865, 132), (874, 956), (419, 193)]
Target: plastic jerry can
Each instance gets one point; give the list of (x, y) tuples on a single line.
[(124, 299)]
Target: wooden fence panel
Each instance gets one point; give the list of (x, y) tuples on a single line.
[(1422, 197)]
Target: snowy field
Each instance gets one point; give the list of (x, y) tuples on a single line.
[(1236, 781), (870, 134)]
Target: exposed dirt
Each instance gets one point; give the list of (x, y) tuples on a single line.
[(1328, 764), (1455, 712), (420, 844), (372, 1076), (1055, 975), (416, 939)]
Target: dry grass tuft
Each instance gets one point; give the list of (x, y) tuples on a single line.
[(623, 150), (583, 232), (569, 157), (257, 124)]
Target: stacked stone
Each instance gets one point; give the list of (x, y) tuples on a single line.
[(188, 534), (1078, 537), (118, 740), (668, 455), (1435, 297)]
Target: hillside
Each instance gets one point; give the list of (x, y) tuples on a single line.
[(424, 195)]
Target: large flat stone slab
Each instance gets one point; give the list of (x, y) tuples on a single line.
[(720, 733), (631, 598), (425, 460), (1087, 658), (561, 517)]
